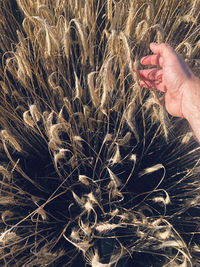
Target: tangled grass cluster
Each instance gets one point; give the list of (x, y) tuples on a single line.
[(93, 170)]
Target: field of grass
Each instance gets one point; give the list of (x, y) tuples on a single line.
[(93, 170)]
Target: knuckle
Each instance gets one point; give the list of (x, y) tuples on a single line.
[(165, 46)]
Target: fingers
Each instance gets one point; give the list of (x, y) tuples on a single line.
[(162, 49), (167, 57), (166, 53), (152, 60), (152, 78), (154, 85), (161, 52), (156, 48), (151, 74)]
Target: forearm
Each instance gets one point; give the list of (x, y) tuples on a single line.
[(192, 106), (194, 122)]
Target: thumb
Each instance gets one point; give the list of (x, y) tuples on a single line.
[(164, 50), (168, 55), (156, 48)]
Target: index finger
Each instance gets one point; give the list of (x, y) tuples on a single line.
[(152, 60), (164, 50)]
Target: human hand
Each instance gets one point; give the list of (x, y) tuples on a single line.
[(171, 76)]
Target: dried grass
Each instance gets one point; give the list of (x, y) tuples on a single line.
[(92, 169)]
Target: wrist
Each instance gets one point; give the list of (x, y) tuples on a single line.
[(191, 105), (191, 99)]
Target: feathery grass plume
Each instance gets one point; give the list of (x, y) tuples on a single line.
[(93, 171)]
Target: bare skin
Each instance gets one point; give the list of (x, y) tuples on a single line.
[(172, 76)]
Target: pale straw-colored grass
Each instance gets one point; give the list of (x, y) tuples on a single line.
[(93, 169)]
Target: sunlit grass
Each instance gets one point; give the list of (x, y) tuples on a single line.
[(93, 169)]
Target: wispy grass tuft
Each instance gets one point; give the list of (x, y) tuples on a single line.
[(93, 171)]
